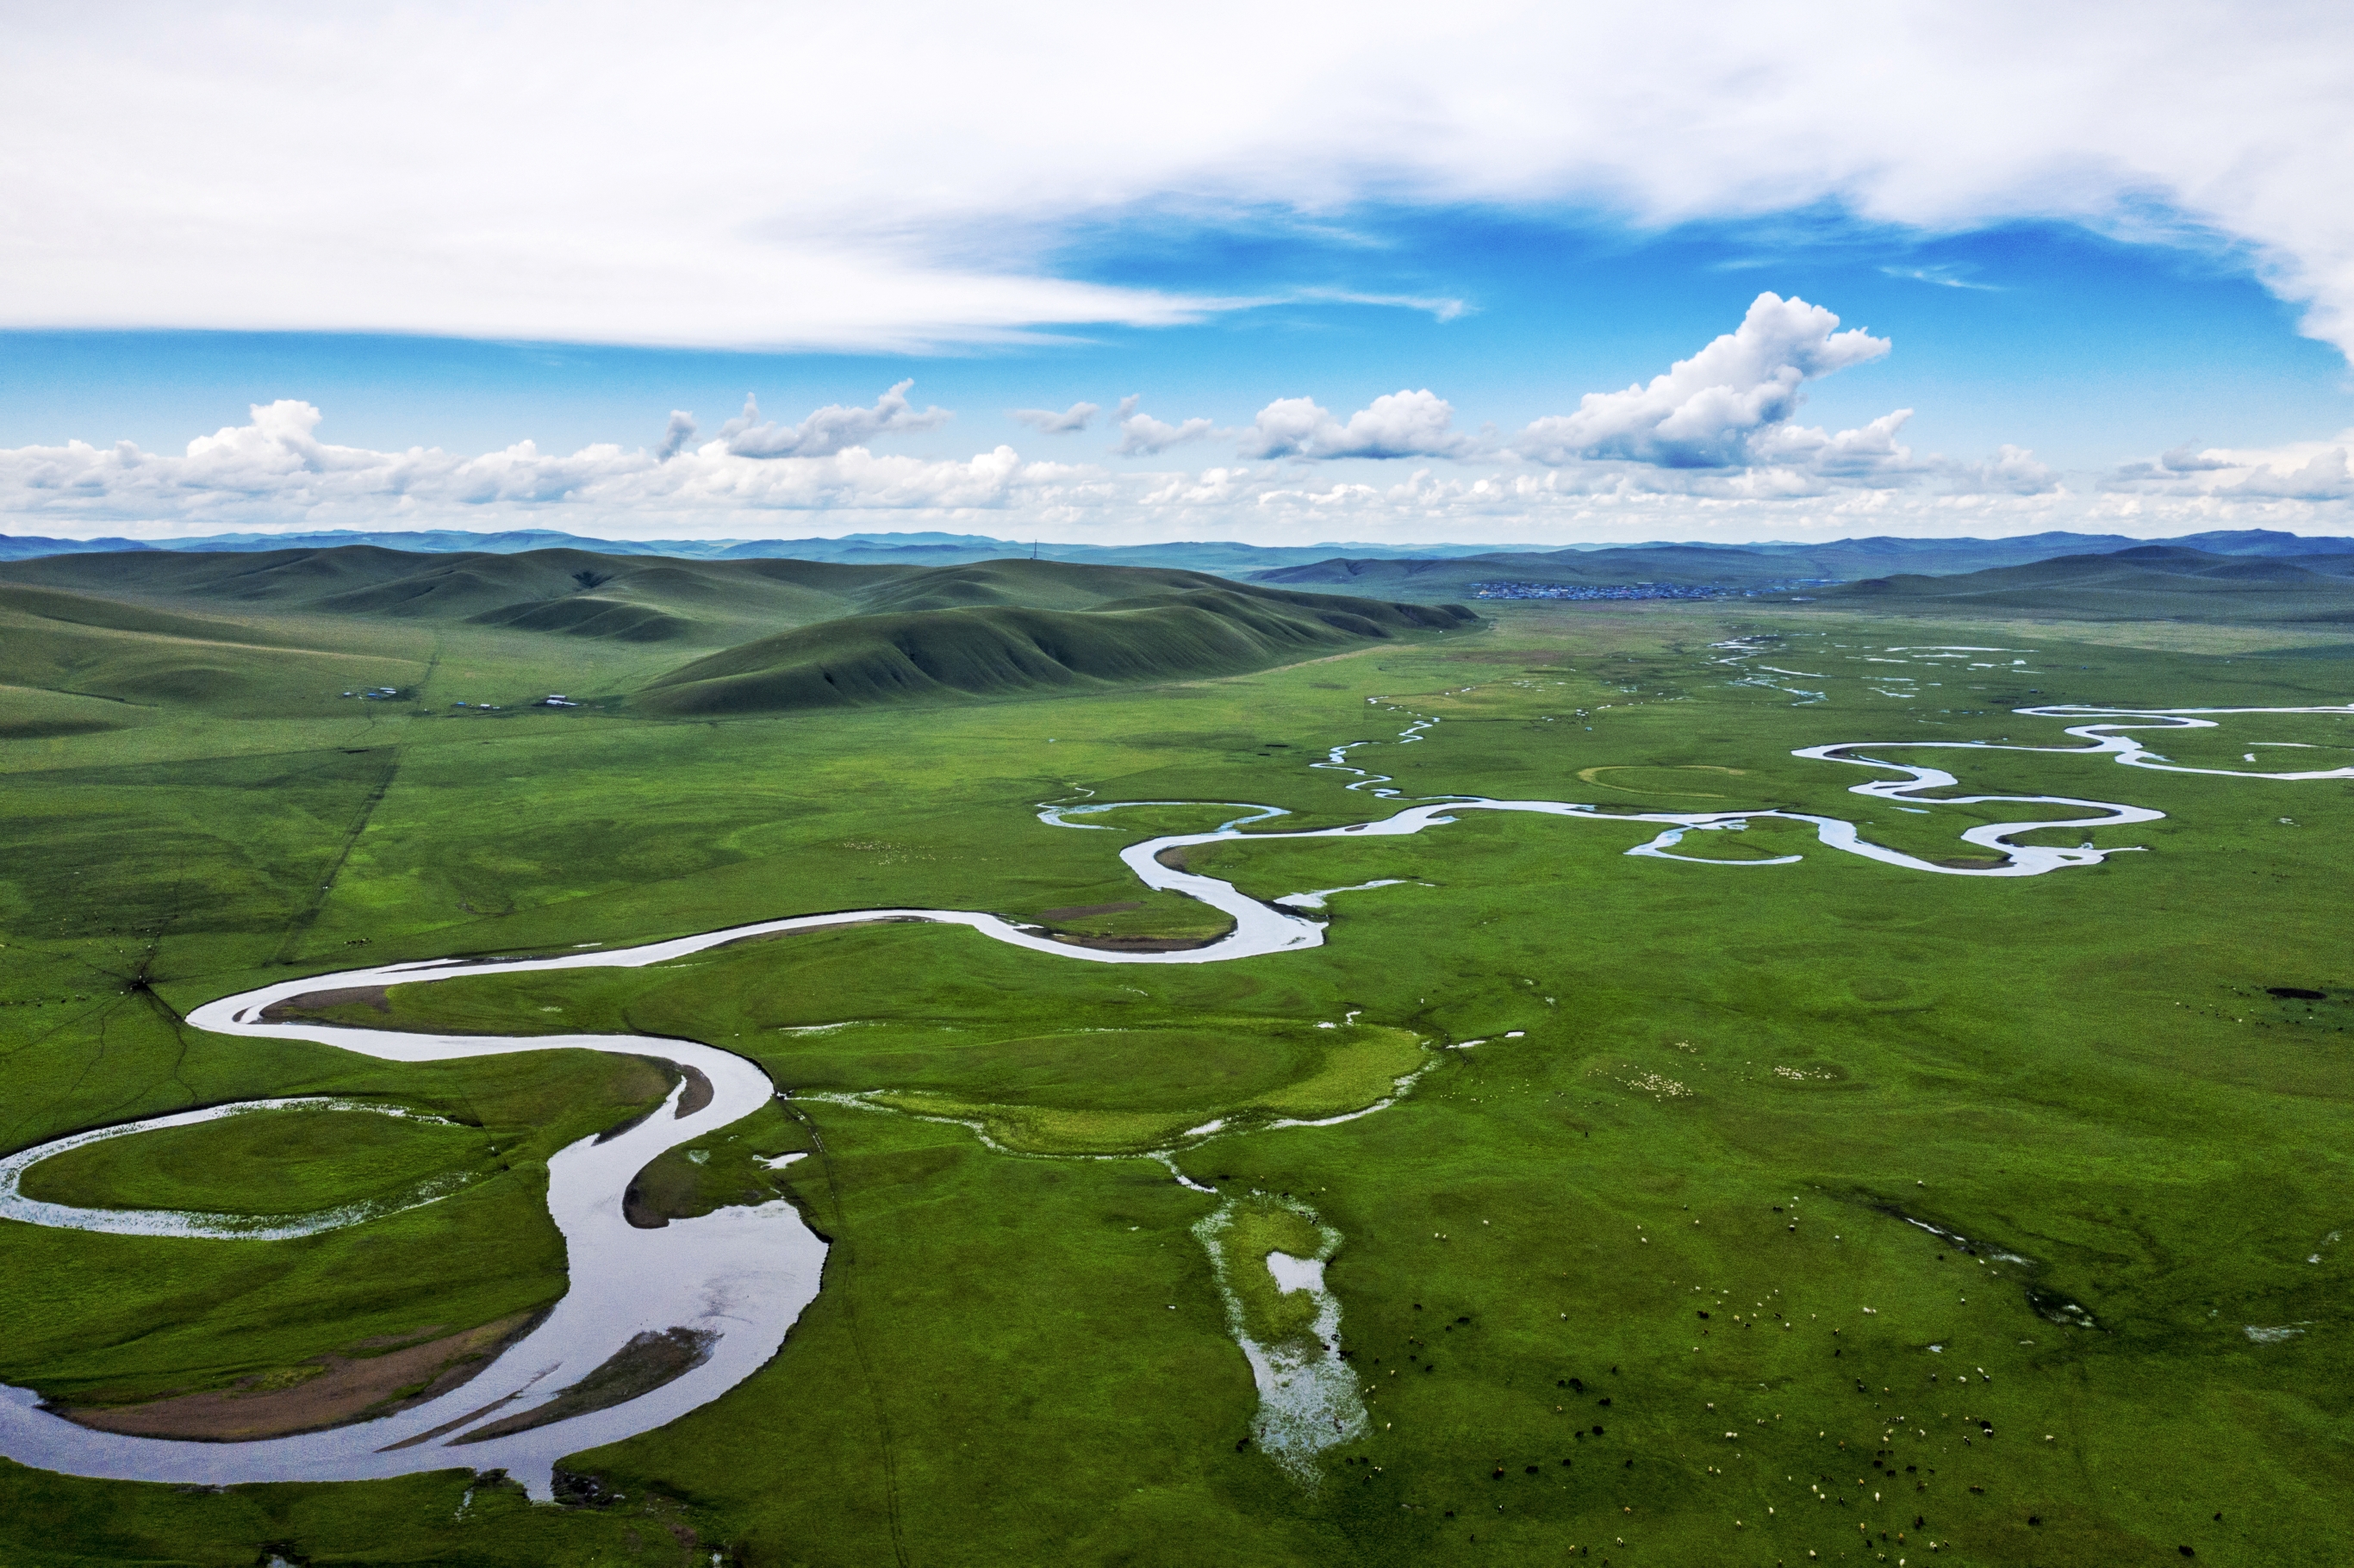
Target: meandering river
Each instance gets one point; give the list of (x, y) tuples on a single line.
[(731, 1283)]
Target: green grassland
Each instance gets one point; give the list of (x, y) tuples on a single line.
[(1656, 1218)]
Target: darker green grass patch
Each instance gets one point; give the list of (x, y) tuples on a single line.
[(284, 1162)]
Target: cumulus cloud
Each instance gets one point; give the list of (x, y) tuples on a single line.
[(2308, 472), (676, 436), (2182, 460), (1868, 453), (2322, 477), (829, 429), (1141, 435), (1724, 408), (274, 471), (1047, 422), (2012, 470), (1402, 424)]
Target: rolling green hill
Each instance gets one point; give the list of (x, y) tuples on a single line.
[(997, 649), (75, 664), (92, 638), (2150, 582), (583, 593), (579, 593)]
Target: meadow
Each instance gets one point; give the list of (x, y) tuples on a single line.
[(1827, 1211)]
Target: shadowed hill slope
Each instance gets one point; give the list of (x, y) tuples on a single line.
[(578, 593), (583, 593), (259, 630), (71, 663), (2150, 582), (999, 650)]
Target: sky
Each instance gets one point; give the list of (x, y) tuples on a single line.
[(1513, 273)]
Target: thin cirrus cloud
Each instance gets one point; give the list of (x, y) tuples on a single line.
[(168, 191), (1943, 277)]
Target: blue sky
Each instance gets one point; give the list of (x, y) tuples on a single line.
[(2092, 351), (2058, 296)]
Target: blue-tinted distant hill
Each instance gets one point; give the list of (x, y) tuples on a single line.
[(26, 548), (1745, 567), (2146, 582), (1423, 572), (915, 549)]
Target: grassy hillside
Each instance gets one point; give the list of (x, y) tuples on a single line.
[(579, 593), (2149, 582), (74, 663), (109, 641), (993, 648)]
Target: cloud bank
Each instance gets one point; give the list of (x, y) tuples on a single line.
[(262, 164), (1709, 448)]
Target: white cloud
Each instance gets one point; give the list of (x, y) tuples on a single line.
[(1402, 424), (1943, 277), (2012, 470), (2322, 477), (1047, 422), (1866, 453), (1141, 435), (2301, 471), (512, 170), (829, 429), (677, 436), (1441, 308), (1721, 409), (274, 472), (2182, 460)]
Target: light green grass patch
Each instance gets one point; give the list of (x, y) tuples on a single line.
[(1359, 1068)]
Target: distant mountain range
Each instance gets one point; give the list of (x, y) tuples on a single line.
[(2146, 582), (862, 549), (1754, 566), (1420, 572)]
